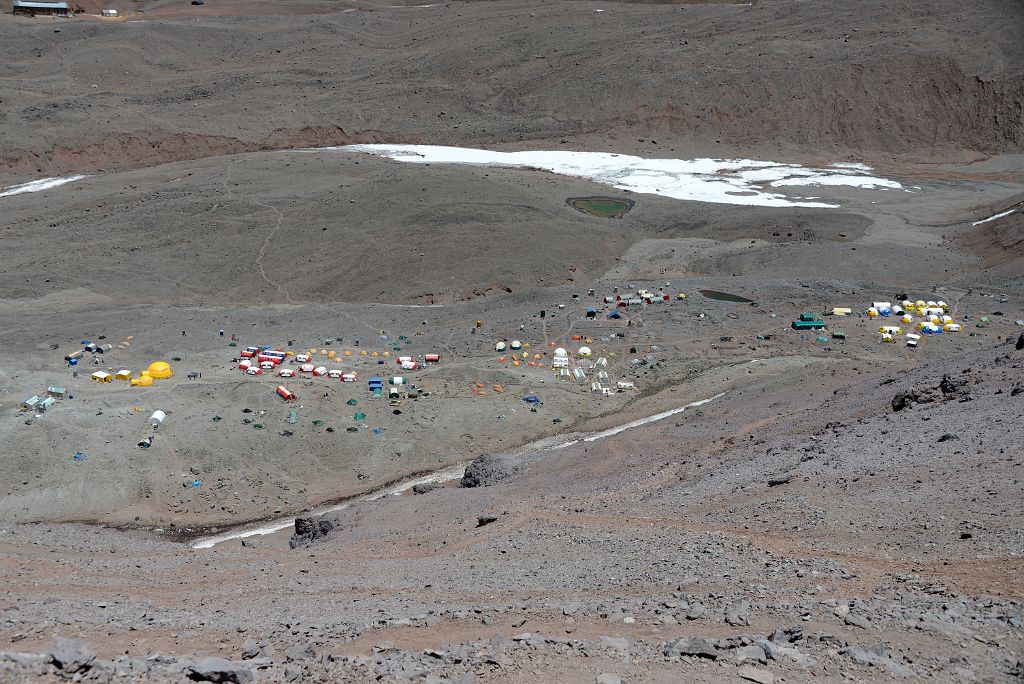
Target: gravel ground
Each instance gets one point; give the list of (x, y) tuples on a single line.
[(834, 509)]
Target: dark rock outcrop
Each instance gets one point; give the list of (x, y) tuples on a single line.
[(488, 469), (904, 399), (308, 530)]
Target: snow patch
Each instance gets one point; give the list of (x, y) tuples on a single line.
[(723, 181), (38, 185), (448, 474), (593, 437), (993, 217)]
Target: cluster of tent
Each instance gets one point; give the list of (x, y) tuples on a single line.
[(639, 298), (562, 363), (87, 347), (158, 370), (256, 360), (519, 355), (934, 319), (39, 404)]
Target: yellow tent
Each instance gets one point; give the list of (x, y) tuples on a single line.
[(123, 375), (142, 381), (159, 370)]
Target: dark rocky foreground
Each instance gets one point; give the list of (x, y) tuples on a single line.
[(778, 537)]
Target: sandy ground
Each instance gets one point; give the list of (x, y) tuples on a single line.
[(794, 528)]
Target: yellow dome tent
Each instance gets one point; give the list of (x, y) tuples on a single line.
[(159, 370), (142, 381)]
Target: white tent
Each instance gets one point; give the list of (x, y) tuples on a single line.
[(157, 418)]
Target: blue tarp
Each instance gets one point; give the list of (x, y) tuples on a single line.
[(531, 399)]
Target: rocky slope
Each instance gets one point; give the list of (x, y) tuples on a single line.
[(806, 536)]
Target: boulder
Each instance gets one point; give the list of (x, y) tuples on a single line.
[(880, 660), (250, 649), (904, 399), (308, 530), (754, 674), (488, 469), (213, 669), (619, 644), (857, 621), (71, 655), (749, 654), (301, 651), (691, 646), (949, 387), (424, 487), (696, 611)]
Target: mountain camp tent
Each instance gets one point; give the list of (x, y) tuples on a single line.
[(160, 370)]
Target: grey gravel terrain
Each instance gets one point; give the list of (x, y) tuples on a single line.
[(757, 503)]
